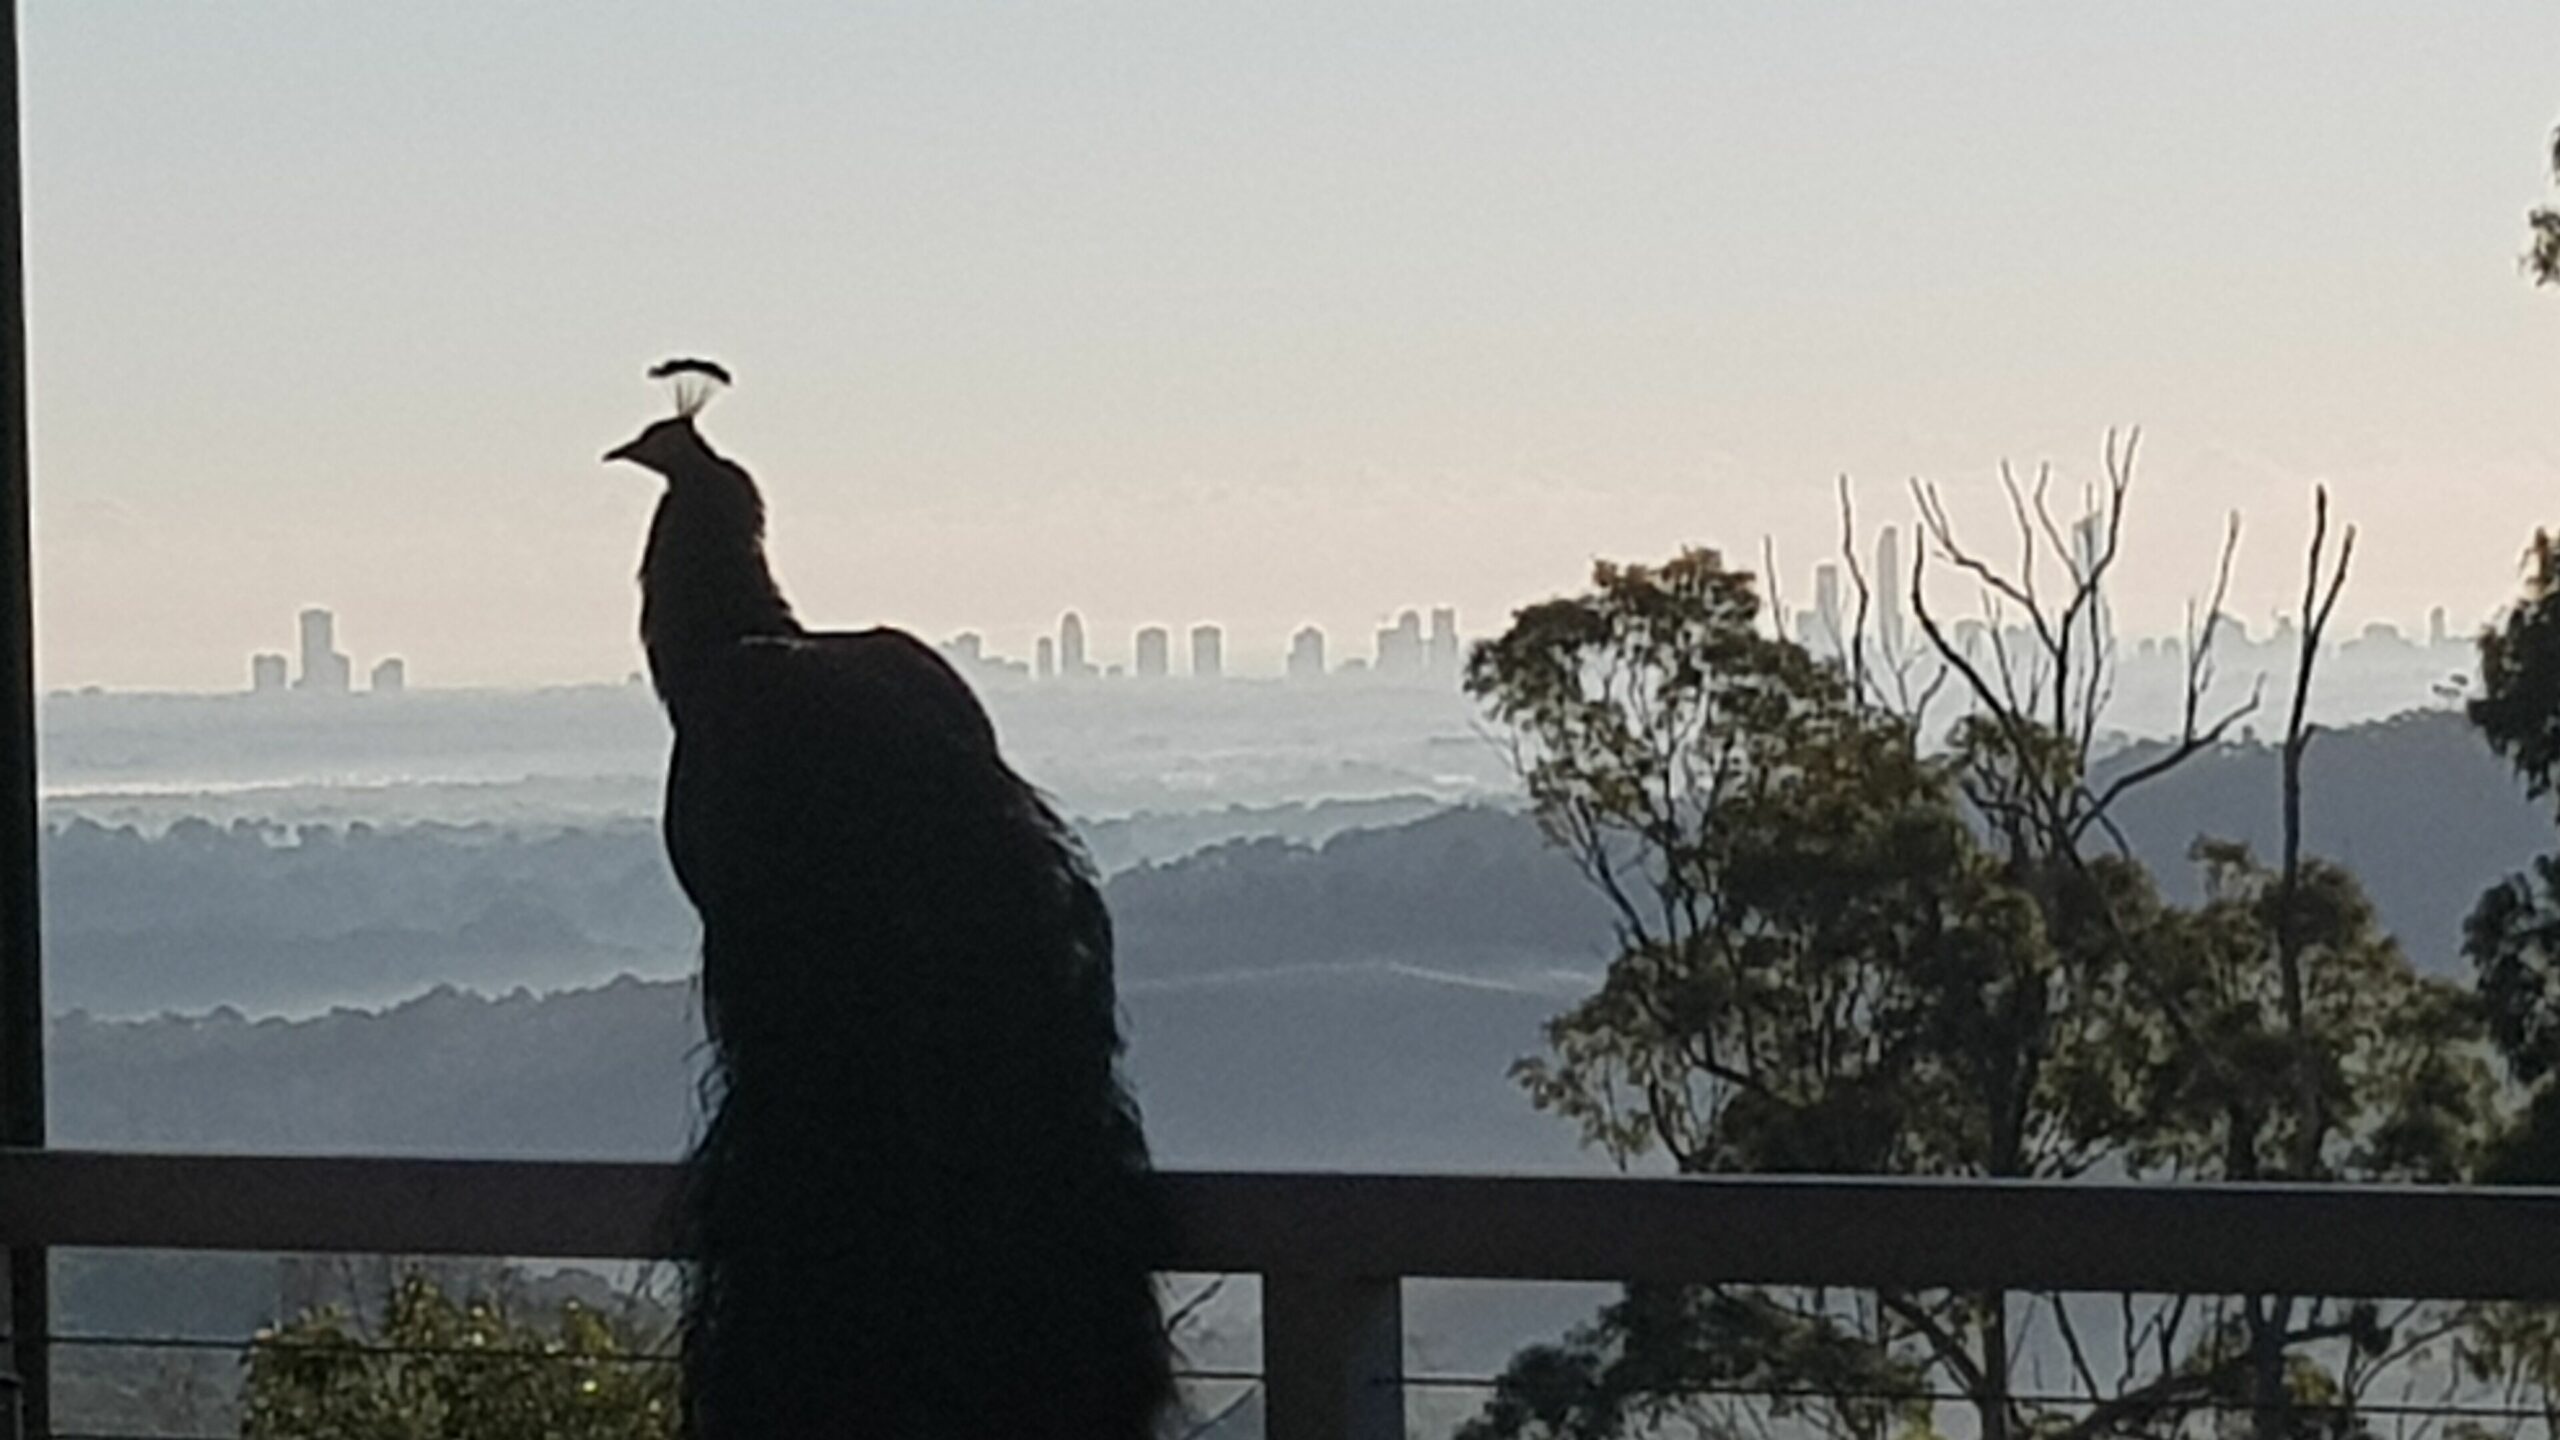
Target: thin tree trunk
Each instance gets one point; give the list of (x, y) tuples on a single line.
[(1993, 1402), (2271, 1316)]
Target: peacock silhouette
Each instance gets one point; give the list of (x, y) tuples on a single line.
[(921, 1205)]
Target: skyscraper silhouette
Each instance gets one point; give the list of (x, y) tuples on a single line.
[(1154, 647), (1071, 662), (323, 668), (1830, 628), (1208, 652), (1889, 584), (266, 673), (2088, 545), (1442, 648), (1306, 654), (391, 677), (1400, 646)]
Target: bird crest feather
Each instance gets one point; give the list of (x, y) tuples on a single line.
[(692, 381)]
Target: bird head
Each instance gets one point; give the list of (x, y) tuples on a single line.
[(673, 442), (666, 446)]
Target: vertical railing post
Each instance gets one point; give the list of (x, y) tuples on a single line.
[(21, 964), (1332, 1357)]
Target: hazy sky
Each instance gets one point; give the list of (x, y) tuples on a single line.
[(1265, 314)]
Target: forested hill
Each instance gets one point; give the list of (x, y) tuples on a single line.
[(1467, 887), (272, 920), (1371, 1065), (1358, 997), (2416, 806)]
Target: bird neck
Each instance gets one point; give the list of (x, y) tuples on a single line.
[(704, 583)]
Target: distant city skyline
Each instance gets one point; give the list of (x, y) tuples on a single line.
[(325, 670), (1398, 645), (1281, 649), (1276, 314), (1404, 649)]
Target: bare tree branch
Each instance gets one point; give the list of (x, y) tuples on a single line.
[(1773, 595), (1855, 645), (2317, 606)]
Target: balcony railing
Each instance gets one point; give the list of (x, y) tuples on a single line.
[(1332, 1249)]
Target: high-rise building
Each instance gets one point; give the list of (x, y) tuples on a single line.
[(1306, 654), (1442, 648), (1888, 586), (1071, 662), (2437, 634), (968, 654), (1400, 646), (391, 677), (1208, 652), (267, 672), (1044, 662), (323, 668), (319, 631), (1830, 631), (1155, 649), (2088, 544)]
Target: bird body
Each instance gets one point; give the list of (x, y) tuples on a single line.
[(921, 1206)]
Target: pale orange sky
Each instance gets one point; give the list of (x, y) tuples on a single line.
[(1263, 314)]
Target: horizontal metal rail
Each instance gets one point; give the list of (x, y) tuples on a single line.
[(2382, 1241), (1332, 1249)]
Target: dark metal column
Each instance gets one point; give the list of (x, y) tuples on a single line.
[(1332, 1357), (21, 963)]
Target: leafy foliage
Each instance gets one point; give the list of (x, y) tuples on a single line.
[(2542, 257), (1664, 1353), (2518, 708), (1837, 953), (437, 1365), (2513, 934), (2402, 1082), (1783, 869)]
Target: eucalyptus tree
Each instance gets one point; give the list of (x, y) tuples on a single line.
[(1842, 949)]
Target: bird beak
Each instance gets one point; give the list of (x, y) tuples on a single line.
[(621, 452)]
